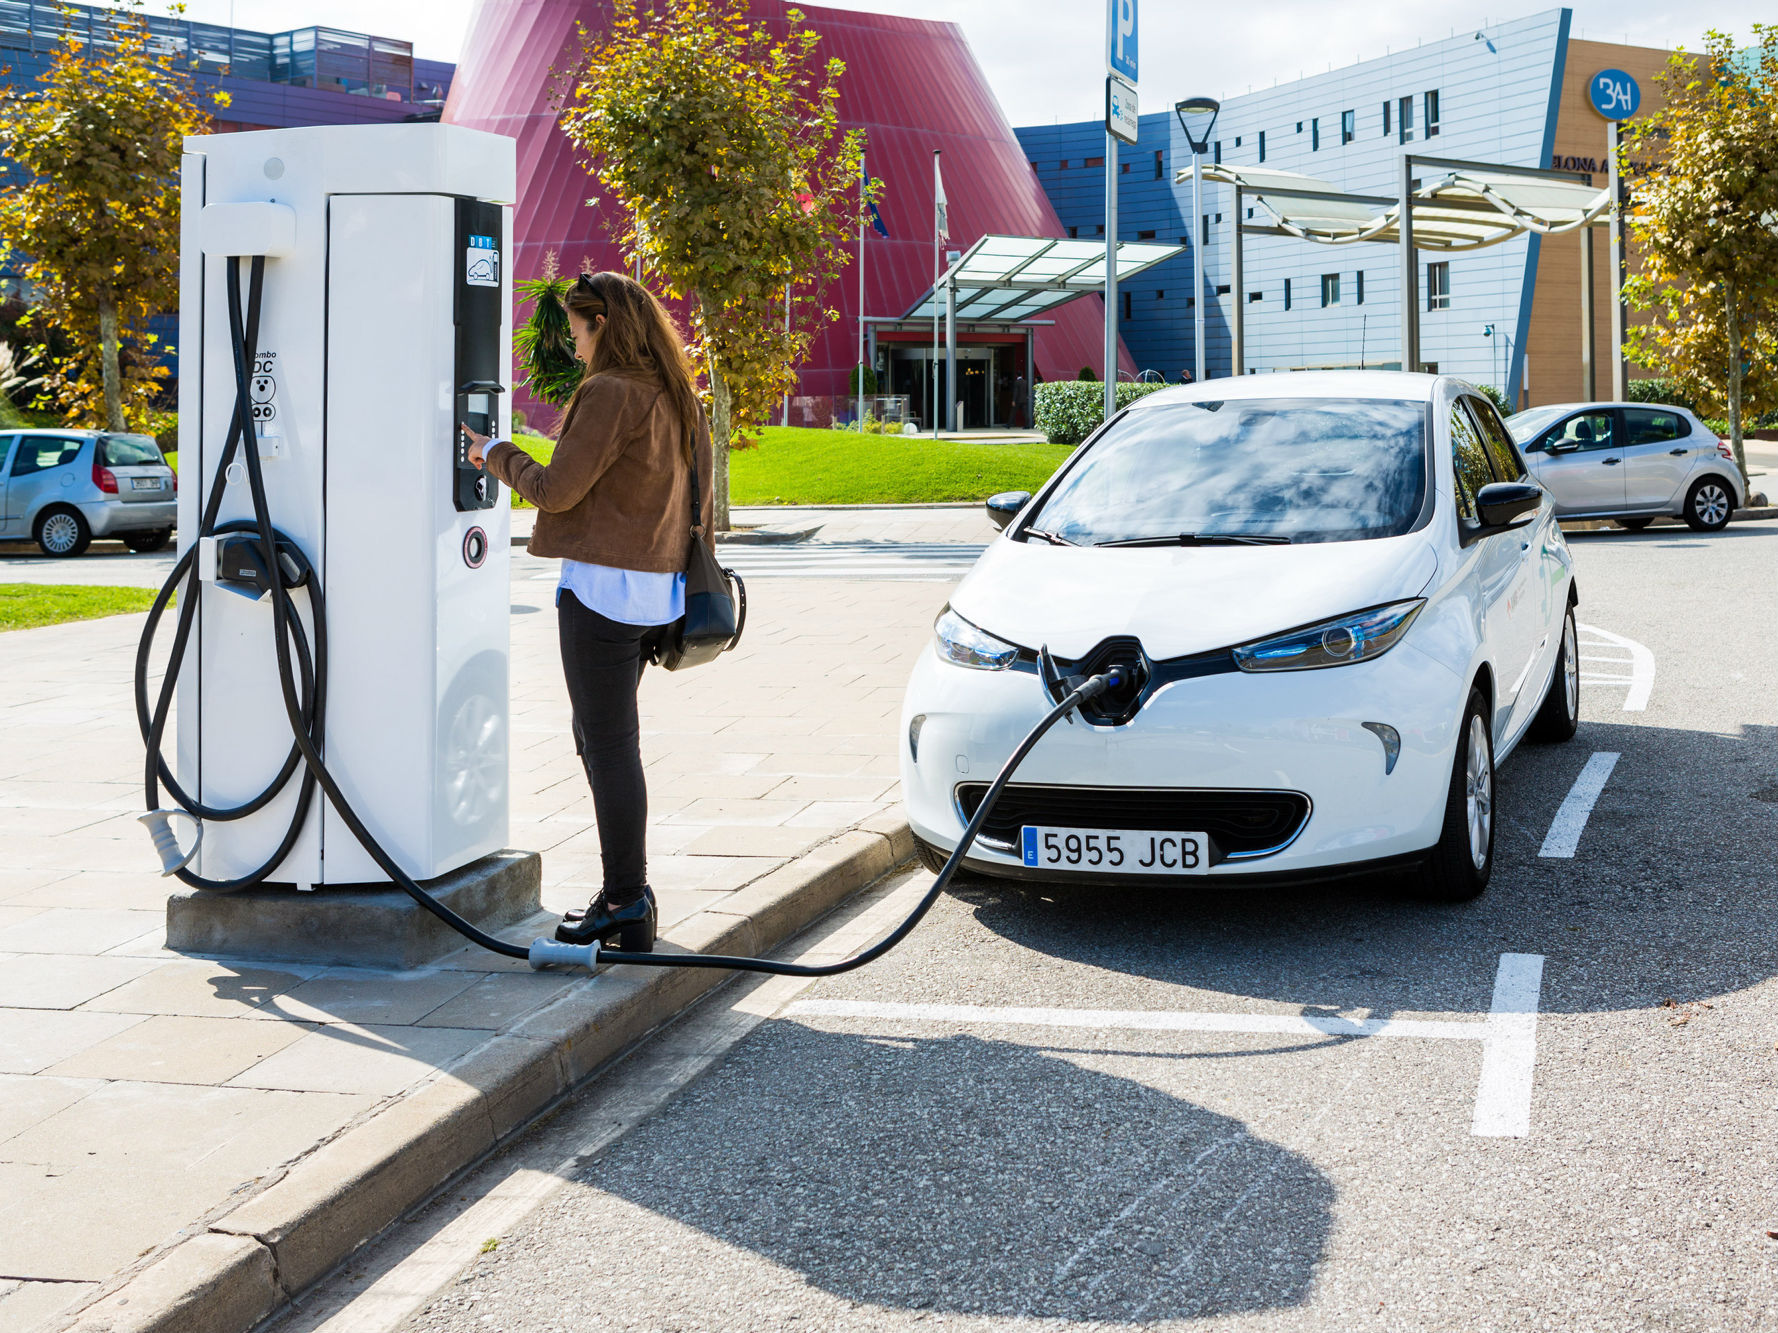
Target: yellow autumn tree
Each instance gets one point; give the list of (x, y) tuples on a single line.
[(93, 223)]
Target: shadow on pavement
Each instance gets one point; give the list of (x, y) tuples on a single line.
[(1015, 1184), (1672, 895)]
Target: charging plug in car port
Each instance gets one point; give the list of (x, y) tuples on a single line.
[(1121, 700)]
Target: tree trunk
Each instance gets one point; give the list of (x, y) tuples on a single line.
[(108, 363), (719, 448), (1732, 326)]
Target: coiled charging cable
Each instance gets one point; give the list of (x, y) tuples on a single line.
[(302, 679)]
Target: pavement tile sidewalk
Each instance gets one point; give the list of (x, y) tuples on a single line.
[(146, 1094)]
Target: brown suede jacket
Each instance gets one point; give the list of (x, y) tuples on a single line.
[(617, 491)]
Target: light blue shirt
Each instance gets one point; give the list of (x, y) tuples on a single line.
[(628, 596)]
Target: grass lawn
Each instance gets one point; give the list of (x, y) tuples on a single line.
[(29, 605), (794, 466)]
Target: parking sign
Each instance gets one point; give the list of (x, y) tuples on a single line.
[(1120, 39)]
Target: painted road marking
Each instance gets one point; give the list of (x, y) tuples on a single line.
[(1571, 818), (1509, 1051), (1640, 661), (1508, 1035)]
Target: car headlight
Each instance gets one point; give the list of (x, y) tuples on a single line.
[(961, 642), (1354, 638)]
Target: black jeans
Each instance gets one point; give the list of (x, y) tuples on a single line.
[(603, 660)]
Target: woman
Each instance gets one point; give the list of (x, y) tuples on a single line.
[(615, 503)]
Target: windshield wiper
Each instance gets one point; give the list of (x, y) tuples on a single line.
[(1201, 539), (1049, 537)]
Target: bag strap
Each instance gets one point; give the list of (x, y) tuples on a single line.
[(697, 506)]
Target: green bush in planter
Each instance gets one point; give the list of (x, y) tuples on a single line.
[(1070, 410)]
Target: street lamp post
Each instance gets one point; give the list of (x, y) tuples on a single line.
[(1197, 116)]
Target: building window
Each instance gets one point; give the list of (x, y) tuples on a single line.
[(1385, 123), (1034, 166), (1237, 141), (1287, 293), (1219, 218), (1223, 290), (1091, 162), (1330, 289), (1358, 287), (1299, 127), (1348, 126), (1262, 145), (1074, 233), (1432, 113), (1160, 294), (1158, 168), (1206, 222), (1145, 235), (1404, 110), (1185, 241), (1123, 168), (1063, 164), (1315, 135), (1254, 296), (1438, 286), (1099, 230), (1216, 151), (1129, 307)]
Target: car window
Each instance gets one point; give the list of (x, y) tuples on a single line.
[(1646, 426), (129, 451), (1469, 461), (1524, 425), (1304, 469), (39, 453), (1587, 430), (1501, 451)]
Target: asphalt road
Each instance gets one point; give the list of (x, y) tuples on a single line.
[(1299, 1112)]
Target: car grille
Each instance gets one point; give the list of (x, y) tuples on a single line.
[(1242, 824)]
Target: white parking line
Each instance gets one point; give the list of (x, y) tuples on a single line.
[(1509, 1051), (1641, 662), (1571, 818), (1508, 1035)]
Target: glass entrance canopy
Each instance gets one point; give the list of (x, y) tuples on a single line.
[(1002, 279)]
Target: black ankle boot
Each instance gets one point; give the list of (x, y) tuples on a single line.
[(633, 923)]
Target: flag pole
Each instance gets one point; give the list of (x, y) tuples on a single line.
[(863, 203), (932, 366)]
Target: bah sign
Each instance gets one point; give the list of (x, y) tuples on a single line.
[(1614, 94)]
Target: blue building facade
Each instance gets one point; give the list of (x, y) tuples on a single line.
[(1494, 95)]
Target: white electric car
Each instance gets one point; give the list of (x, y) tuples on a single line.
[(1340, 600)]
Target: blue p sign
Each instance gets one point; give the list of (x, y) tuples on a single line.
[(1614, 94), (1120, 39)]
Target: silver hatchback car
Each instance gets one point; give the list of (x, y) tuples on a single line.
[(1633, 462), (62, 488)]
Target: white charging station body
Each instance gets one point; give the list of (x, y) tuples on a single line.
[(386, 317)]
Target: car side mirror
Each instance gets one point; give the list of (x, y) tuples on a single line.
[(1563, 446), (1507, 504), (1004, 508)]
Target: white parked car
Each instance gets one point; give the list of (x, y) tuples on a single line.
[(1341, 603), (1633, 462)]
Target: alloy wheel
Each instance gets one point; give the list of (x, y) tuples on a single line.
[(1570, 667), (1711, 504), (1478, 787), (61, 533)]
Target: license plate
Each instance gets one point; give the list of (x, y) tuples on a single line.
[(145, 483), (1119, 851)]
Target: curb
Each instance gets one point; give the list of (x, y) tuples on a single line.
[(1753, 515), (257, 1256)]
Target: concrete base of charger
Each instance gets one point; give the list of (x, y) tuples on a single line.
[(373, 925)]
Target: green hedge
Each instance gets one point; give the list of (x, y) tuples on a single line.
[(1070, 410)]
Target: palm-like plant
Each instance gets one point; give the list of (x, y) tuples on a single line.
[(544, 343)]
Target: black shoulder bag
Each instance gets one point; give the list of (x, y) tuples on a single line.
[(715, 601)]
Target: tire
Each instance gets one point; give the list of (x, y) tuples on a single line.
[(1634, 524), (1708, 504), (1559, 715), (930, 856), (61, 531), (1455, 870), (153, 540)]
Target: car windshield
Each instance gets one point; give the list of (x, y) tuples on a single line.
[(129, 451), (1290, 469), (1526, 425)]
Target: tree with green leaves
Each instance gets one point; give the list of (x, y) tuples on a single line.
[(1703, 224), (719, 144), (94, 220)]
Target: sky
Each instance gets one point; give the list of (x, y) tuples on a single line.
[(1042, 57)]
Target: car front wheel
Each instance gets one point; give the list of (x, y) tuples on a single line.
[(1458, 866), (62, 531), (1708, 505), (148, 541)]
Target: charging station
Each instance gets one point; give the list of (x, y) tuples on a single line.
[(381, 318)]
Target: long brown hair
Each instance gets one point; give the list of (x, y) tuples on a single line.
[(638, 334)]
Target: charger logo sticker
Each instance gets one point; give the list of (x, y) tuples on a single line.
[(481, 262)]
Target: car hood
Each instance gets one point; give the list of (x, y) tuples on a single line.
[(1179, 600)]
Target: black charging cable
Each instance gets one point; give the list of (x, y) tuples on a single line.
[(272, 564)]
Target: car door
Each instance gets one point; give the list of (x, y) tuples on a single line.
[(42, 473), (1659, 452), (1582, 463), (1519, 617)]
